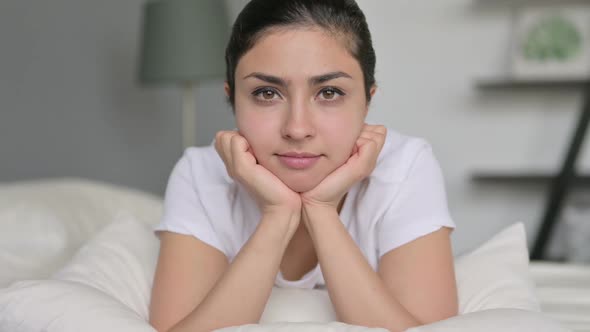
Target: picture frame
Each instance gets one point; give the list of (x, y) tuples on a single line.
[(551, 42)]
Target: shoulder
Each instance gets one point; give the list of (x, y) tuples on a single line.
[(399, 156), (204, 165)]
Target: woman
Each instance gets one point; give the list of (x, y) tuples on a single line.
[(304, 193)]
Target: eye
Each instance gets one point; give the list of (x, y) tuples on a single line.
[(265, 94), (331, 93)]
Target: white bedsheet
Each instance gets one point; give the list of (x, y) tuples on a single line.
[(564, 292)]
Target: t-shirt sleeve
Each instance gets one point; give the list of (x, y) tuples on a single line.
[(183, 208), (419, 207)]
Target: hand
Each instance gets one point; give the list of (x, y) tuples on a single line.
[(359, 165), (271, 194)]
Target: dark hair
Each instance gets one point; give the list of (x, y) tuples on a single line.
[(343, 18)]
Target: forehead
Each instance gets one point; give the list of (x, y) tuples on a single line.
[(299, 52)]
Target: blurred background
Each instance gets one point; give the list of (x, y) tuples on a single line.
[(463, 74)]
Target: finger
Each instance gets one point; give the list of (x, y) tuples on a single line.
[(366, 138), (355, 149), (240, 155), (380, 129), (368, 152), (368, 148), (250, 151), (366, 145), (378, 140), (371, 135), (378, 136), (364, 134), (377, 131), (220, 139), (226, 144), (238, 145)]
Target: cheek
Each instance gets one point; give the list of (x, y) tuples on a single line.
[(258, 132), (341, 142)]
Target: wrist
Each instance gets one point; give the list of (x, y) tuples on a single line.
[(311, 203), (281, 211), (311, 208), (285, 220), (318, 214)]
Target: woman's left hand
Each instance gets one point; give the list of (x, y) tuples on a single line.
[(359, 165)]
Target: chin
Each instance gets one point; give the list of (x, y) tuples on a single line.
[(300, 185)]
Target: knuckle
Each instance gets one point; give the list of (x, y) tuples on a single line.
[(223, 135), (234, 139)]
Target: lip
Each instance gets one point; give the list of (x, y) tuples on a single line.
[(299, 154), (298, 160)]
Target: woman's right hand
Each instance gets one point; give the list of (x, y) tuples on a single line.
[(272, 195)]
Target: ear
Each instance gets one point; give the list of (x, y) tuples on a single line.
[(372, 93), (226, 88)]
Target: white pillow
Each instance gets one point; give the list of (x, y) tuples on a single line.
[(105, 287), (45, 221), (120, 262), (64, 306), (496, 274)]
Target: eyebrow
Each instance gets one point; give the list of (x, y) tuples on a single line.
[(314, 80)]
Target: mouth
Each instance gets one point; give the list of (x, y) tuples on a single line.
[(298, 160)]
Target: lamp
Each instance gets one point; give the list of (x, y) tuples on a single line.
[(183, 42)]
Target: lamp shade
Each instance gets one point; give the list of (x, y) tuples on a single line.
[(182, 41)]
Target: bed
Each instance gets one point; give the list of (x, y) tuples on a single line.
[(564, 292), (77, 254)]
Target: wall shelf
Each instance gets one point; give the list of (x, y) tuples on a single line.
[(526, 177), (566, 177), (498, 83), (560, 182)]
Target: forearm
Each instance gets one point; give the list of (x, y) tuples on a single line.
[(240, 295), (359, 296)]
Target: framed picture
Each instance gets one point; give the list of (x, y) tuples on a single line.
[(551, 42)]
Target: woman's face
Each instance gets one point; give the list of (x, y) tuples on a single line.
[(299, 91)]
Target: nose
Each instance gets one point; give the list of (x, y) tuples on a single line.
[(298, 124)]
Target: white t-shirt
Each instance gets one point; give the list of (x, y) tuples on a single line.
[(404, 198)]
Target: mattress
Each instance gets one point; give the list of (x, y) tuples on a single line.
[(564, 292)]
